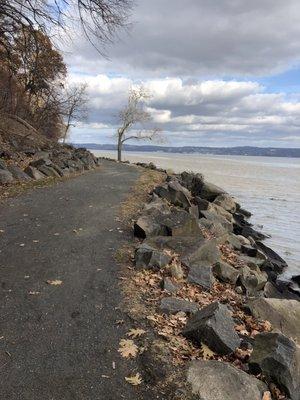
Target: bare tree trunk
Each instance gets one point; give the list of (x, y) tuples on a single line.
[(120, 149)]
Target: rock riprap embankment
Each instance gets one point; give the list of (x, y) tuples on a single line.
[(58, 161), (198, 236)]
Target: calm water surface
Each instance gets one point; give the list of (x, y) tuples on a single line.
[(269, 187)]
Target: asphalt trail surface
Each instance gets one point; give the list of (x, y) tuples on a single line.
[(60, 342)]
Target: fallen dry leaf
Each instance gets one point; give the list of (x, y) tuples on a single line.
[(134, 380), (128, 348), (267, 396), (134, 333), (207, 352), (55, 282)]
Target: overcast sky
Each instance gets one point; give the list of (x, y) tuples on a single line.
[(221, 72)]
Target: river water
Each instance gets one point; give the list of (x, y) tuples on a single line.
[(269, 187)]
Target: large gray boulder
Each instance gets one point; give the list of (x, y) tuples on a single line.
[(175, 194), (148, 257), (274, 261), (284, 315), (193, 182), (182, 245), (208, 253), (201, 274), (170, 286), (252, 279), (227, 202), (210, 192), (157, 204), (5, 177), (225, 272), (215, 380), (173, 305), (215, 218), (181, 223), (278, 358), (34, 173), (214, 326), (220, 212), (17, 173), (147, 226), (41, 161), (49, 171)]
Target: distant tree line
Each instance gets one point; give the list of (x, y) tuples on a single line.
[(33, 74)]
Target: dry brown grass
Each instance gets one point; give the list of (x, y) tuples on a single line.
[(139, 195)]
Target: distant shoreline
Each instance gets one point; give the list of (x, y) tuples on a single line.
[(217, 151)]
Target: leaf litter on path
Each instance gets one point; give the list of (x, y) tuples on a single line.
[(55, 282), (128, 349), (134, 380), (135, 333)]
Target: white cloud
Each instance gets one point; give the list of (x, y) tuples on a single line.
[(195, 111), (200, 37)]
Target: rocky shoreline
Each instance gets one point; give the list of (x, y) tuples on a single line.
[(23, 164), (217, 291)]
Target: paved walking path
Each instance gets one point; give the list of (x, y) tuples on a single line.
[(60, 342)]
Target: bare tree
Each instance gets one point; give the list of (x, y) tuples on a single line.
[(74, 107), (99, 19), (134, 115)]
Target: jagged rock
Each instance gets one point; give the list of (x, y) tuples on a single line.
[(157, 204), (215, 228), (182, 245), (284, 315), (248, 231), (175, 194), (274, 261), (220, 212), (193, 182), (225, 272), (48, 171), (58, 170), (201, 275), (34, 173), (245, 213), (214, 326), (5, 176), (201, 203), (148, 257), (278, 358), (170, 286), (278, 291), (227, 202), (17, 173), (215, 380), (41, 161), (147, 226), (210, 191), (208, 253), (173, 305), (232, 239), (181, 223), (252, 280), (194, 210), (243, 240), (252, 262), (249, 250), (212, 216)]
